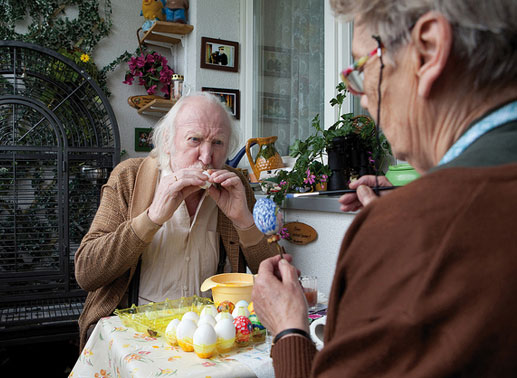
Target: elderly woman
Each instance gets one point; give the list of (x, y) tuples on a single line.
[(425, 281), (181, 212)]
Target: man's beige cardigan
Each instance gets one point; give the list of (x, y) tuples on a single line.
[(121, 230)]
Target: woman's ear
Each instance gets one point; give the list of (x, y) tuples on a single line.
[(432, 38)]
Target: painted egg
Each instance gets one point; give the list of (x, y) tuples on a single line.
[(243, 330), (226, 306), (206, 318), (259, 331), (267, 216), (223, 315), (185, 333), (209, 309), (205, 340), (192, 316), (240, 311), (225, 331), (170, 331), (251, 309)]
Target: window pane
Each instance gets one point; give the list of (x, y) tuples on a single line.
[(288, 86)]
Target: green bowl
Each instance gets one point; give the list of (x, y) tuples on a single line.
[(401, 174)]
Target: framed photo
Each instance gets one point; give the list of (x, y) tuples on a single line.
[(230, 97), (276, 62), (143, 141), (275, 108), (218, 54)]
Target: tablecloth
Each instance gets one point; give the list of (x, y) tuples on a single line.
[(114, 350)]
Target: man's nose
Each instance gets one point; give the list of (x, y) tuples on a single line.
[(205, 153)]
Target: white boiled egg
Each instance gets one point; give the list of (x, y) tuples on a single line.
[(192, 316), (223, 315), (206, 318), (170, 331), (225, 331), (185, 333), (209, 309), (207, 184), (241, 303), (205, 340)]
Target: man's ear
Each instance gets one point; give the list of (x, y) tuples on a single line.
[(432, 39)]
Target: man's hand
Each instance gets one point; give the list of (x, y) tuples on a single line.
[(172, 190), (230, 197)]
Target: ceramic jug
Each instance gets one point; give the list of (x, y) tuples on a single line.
[(267, 157)]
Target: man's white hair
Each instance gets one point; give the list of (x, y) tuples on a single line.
[(165, 129)]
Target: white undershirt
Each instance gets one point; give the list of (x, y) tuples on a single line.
[(183, 253)]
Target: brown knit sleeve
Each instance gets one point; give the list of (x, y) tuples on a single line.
[(292, 357)]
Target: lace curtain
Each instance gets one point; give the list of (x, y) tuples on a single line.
[(289, 85)]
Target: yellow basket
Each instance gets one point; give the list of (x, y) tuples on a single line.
[(231, 287), (153, 318)]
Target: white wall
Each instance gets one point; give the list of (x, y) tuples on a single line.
[(214, 19)]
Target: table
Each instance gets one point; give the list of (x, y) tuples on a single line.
[(114, 350)]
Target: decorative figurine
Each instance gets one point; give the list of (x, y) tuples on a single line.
[(176, 10), (152, 10)]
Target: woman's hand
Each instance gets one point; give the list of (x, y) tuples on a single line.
[(364, 195), (172, 190), (230, 197), (278, 297)]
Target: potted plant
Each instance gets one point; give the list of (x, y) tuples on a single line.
[(312, 171), (150, 70)]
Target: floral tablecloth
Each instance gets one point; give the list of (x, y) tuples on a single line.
[(117, 351)]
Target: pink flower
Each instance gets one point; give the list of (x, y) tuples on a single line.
[(323, 178), (152, 72), (284, 234), (311, 179), (283, 183), (152, 89)]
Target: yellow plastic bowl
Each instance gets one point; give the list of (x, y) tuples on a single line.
[(231, 287)]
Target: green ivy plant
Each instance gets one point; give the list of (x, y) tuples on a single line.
[(75, 39), (309, 168)]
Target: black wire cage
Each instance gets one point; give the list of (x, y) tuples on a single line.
[(59, 141)]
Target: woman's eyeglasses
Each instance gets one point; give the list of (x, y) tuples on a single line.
[(353, 76)]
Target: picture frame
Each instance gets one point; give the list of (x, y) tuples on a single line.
[(143, 141), (276, 108), (218, 54), (276, 62), (230, 97)]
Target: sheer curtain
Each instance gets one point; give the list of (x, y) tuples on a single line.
[(289, 86)]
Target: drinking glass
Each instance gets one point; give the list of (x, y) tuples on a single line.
[(310, 289)]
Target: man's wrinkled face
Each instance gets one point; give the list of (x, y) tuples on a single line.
[(202, 136)]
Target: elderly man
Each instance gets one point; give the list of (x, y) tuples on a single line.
[(425, 281), (180, 211)]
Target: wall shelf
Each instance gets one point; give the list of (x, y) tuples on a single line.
[(163, 32), (159, 105)]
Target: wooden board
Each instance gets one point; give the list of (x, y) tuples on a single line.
[(300, 233)]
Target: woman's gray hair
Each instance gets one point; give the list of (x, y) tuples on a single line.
[(165, 129), (485, 31)]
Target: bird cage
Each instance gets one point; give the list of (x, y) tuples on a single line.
[(59, 141)]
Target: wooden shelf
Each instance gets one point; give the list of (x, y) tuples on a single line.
[(157, 106), (165, 32)]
